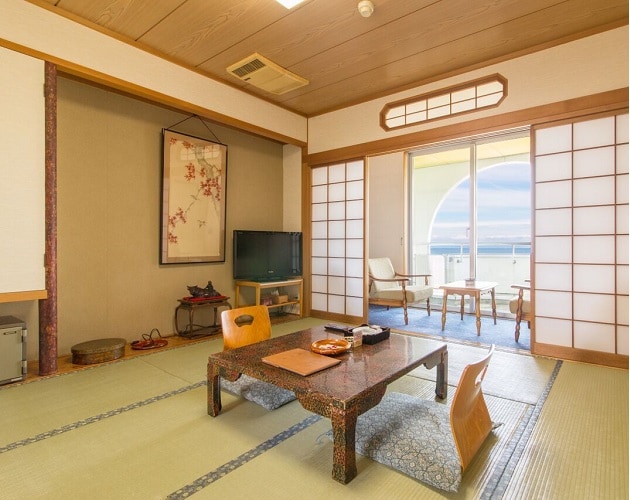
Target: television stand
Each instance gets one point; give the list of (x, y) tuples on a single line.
[(261, 285)]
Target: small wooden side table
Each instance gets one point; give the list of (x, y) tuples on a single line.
[(475, 290), (193, 305)]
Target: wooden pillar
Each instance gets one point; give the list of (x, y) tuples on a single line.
[(48, 307)]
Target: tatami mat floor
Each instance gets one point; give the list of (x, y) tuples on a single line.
[(65, 364), (133, 428)]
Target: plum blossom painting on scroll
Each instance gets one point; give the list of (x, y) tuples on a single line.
[(193, 200)]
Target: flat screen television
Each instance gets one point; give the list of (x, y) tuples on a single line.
[(267, 255)]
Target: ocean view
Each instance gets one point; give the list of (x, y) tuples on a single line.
[(488, 249)]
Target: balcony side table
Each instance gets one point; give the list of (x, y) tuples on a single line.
[(193, 305)]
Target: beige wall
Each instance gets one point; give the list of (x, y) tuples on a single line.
[(91, 52), (386, 206), (109, 173), (22, 171), (292, 195)]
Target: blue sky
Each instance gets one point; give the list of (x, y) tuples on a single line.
[(504, 207)]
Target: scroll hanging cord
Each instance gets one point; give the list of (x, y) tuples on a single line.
[(201, 120)]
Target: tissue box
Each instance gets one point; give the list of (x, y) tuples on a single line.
[(374, 338)]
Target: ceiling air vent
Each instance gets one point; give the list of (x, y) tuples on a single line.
[(266, 75)]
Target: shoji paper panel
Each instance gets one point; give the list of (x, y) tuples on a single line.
[(554, 277), (622, 340), (581, 234), (554, 331), (594, 336), (337, 228)]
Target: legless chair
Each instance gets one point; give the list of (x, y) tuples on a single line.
[(425, 439), (241, 327), (521, 306), (392, 289)]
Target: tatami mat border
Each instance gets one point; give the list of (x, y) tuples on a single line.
[(212, 476), (97, 418), (498, 482)]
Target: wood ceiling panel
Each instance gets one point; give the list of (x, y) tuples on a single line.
[(346, 58), (413, 35), (312, 30), (131, 18), (201, 29), (477, 49)]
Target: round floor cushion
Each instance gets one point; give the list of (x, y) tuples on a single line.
[(98, 351)]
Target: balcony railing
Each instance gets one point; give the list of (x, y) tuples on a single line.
[(505, 263)]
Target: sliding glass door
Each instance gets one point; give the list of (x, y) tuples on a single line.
[(470, 212)]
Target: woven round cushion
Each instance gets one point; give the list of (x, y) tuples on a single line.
[(413, 436), (267, 395), (98, 351)]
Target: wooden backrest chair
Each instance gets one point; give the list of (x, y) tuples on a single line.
[(470, 419), (426, 439), (242, 327)]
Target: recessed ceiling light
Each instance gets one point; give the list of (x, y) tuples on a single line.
[(289, 3)]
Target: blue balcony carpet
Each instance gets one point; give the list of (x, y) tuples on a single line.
[(501, 334)]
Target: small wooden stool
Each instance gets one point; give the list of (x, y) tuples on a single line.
[(98, 351)]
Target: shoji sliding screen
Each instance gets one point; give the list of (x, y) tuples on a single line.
[(581, 235), (337, 239)]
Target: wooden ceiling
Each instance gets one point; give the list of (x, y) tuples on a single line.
[(346, 58)]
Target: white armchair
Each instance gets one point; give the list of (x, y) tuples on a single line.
[(392, 289)]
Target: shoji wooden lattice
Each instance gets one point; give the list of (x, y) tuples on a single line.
[(337, 242), (581, 234)]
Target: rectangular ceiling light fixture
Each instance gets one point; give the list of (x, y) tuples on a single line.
[(289, 4)]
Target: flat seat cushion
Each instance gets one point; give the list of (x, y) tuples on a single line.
[(267, 395), (415, 293), (413, 436), (526, 306)]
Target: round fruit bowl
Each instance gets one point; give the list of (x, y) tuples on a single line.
[(330, 347)]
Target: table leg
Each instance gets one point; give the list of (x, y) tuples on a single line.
[(344, 424), (461, 309), (494, 307), (444, 300), (478, 312), (176, 325), (344, 421), (214, 390), (441, 381)]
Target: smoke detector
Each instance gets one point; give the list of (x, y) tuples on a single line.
[(266, 75), (366, 8)]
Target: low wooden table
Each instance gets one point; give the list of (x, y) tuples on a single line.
[(341, 392), (475, 290), (191, 306)]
